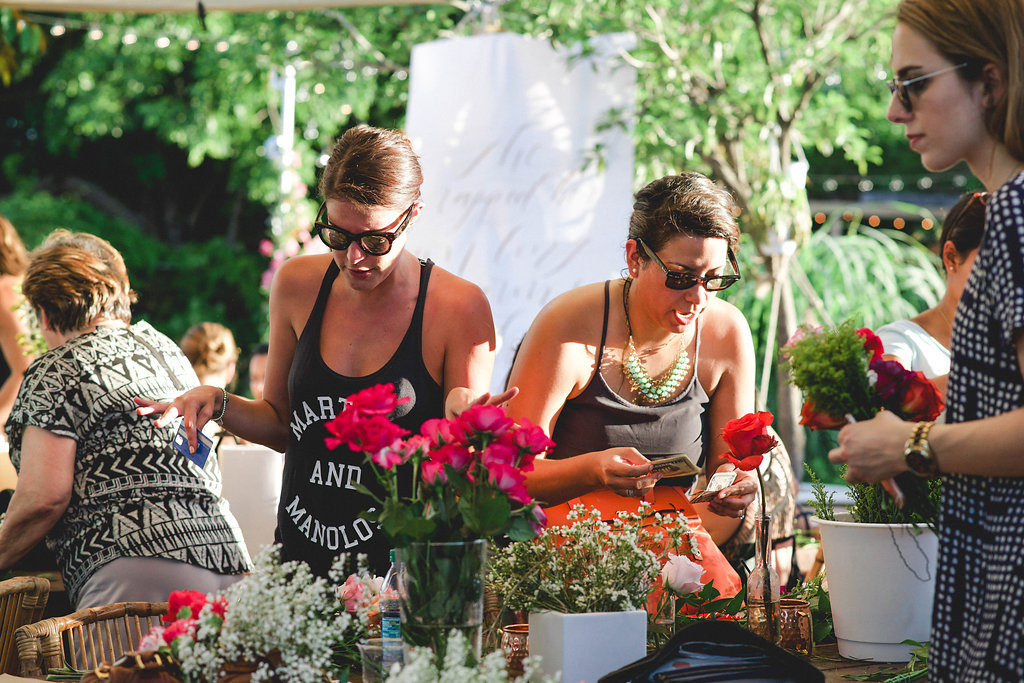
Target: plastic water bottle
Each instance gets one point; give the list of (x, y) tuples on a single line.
[(391, 615)]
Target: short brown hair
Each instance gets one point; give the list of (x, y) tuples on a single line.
[(76, 278), (373, 167), (980, 32), (686, 204), (13, 257)]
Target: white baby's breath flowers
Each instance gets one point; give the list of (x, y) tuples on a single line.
[(421, 667), (589, 565), (280, 618)]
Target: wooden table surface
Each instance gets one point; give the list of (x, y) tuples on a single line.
[(826, 658)]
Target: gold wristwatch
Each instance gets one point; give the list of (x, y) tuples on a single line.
[(918, 453)]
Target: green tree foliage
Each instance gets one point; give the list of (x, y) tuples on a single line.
[(219, 100), (20, 42), (177, 286)]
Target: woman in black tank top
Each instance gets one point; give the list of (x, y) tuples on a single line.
[(630, 371), (365, 314)]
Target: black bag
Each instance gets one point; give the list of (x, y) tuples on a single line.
[(716, 651)]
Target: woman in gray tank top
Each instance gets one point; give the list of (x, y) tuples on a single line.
[(625, 372)]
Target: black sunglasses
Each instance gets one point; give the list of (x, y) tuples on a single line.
[(676, 280), (913, 86), (375, 243)]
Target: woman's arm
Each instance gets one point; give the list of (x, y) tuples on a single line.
[(259, 421), (459, 317), (42, 494), (552, 365), (11, 326), (729, 379), (873, 449)]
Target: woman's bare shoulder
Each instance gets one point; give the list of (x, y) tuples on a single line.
[(725, 325), (576, 316), (300, 274)]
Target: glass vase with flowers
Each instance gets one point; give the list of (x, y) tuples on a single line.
[(468, 485)]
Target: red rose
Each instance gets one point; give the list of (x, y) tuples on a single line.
[(751, 462), (219, 607), (920, 399), (372, 434), (812, 419), (376, 400), (741, 435), (871, 342), (179, 600), (178, 628)]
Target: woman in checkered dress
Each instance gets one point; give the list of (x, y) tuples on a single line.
[(959, 92)]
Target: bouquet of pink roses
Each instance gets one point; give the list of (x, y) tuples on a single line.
[(468, 483), (467, 473)]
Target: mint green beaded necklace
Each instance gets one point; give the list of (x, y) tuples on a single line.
[(650, 392)]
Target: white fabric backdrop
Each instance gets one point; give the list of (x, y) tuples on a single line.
[(504, 124)]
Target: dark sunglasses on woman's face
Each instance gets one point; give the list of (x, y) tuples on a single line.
[(677, 280), (375, 243)]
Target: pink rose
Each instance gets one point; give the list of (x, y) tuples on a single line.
[(388, 458), (152, 640), (532, 438), (510, 480), (353, 592), (178, 629), (376, 400), (682, 574), (432, 471), (459, 457), (500, 452), (486, 419), (441, 432)]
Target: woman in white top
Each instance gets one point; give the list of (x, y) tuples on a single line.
[(922, 343)]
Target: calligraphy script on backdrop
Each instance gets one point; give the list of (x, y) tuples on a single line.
[(508, 129)]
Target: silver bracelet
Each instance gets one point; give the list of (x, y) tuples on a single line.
[(223, 409)]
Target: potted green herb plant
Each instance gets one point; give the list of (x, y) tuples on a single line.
[(880, 555)]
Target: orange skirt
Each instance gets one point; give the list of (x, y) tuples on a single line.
[(665, 499)]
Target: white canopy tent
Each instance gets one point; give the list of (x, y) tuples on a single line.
[(182, 6)]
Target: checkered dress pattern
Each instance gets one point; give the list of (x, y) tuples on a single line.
[(978, 622)]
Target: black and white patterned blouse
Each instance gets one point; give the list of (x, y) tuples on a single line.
[(133, 495), (978, 622)]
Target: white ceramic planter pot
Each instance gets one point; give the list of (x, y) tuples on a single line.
[(584, 647), (881, 583)]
